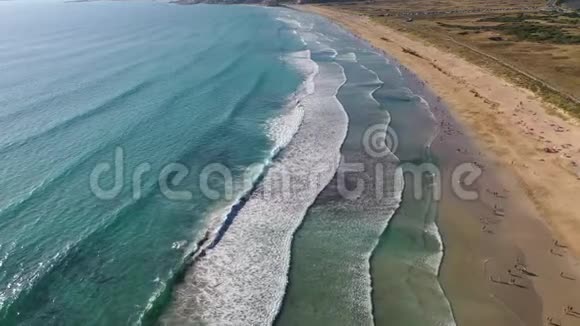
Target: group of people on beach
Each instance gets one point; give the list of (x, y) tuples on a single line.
[(568, 310)]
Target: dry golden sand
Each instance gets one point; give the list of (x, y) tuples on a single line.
[(539, 191)]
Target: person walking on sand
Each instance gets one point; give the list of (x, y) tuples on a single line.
[(569, 310), (552, 322)]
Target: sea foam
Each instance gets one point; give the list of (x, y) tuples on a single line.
[(242, 279)]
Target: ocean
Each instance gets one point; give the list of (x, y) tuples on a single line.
[(198, 165)]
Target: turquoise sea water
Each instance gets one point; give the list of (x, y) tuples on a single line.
[(118, 92), (193, 85)]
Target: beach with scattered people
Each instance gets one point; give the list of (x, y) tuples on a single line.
[(511, 254)]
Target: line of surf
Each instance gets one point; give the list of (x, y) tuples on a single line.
[(432, 261), (280, 130), (242, 279), (396, 197), (435, 260), (354, 224), (405, 94)]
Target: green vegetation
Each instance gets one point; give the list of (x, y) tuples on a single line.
[(524, 30), (506, 18), (469, 28), (575, 14), (570, 18), (540, 33)]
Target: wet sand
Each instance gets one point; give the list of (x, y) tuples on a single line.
[(502, 264), (510, 254)]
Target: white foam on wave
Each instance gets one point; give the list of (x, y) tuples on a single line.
[(389, 207), (310, 38), (398, 71), (348, 57), (435, 260), (302, 40), (424, 102), (298, 58), (281, 130), (333, 51), (302, 62), (357, 225), (290, 22), (360, 288), (427, 107), (243, 279), (377, 80), (324, 37), (431, 263), (25, 279)]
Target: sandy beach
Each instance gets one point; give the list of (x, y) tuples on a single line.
[(511, 255)]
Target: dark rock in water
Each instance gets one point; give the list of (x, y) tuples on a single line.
[(203, 240)]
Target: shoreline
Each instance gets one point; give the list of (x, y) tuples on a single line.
[(422, 281), (533, 187), (307, 298)]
